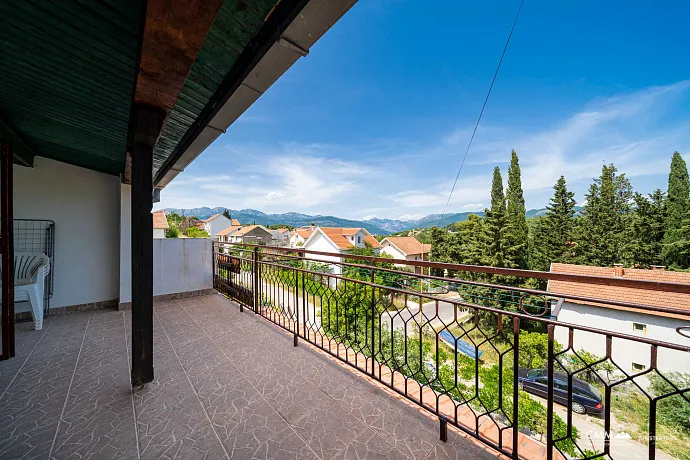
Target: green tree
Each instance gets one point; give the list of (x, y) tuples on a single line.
[(516, 250), (496, 222), (601, 230), (226, 214), (677, 209), (646, 231), (471, 234), (194, 232), (172, 232)]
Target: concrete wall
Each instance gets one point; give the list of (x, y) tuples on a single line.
[(85, 206), (388, 248), (624, 351), (179, 265), (182, 265), (158, 233), (125, 243)]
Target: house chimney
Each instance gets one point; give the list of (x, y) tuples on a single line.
[(618, 270), (660, 268)]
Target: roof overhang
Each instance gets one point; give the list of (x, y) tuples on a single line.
[(288, 34)]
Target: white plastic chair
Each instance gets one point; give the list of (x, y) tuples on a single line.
[(30, 271)]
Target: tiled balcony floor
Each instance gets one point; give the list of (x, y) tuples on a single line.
[(228, 385)]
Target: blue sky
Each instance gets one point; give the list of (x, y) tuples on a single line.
[(374, 122)]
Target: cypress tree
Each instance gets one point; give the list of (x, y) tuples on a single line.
[(560, 214), (496, 222), (646, 230), (677, 208), (516, 232), (602, 227)]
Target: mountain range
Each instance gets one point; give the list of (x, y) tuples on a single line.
[(374, 226)]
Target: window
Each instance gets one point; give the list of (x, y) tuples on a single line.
[(359, 239), (639, 327), (637, 367)]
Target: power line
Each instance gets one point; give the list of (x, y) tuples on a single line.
[(482, 112)]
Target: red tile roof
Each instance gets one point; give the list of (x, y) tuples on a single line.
[(409, 245), (234, 222), (339, 237), (230, 229), (623, 294), (304, 233), (159, 220)]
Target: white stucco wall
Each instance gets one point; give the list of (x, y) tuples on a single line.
[(318, 242), (179, 265), (388, 248), (624, 352), (218, 224), (158, 233), (85, 206), (125, 243)]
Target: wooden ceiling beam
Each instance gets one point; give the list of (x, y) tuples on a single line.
[(174, 31)]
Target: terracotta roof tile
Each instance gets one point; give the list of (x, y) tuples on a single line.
[(235, 222), (229, 230), (304, 233), (409, 245), (339, 236), (159, 220), (623, 294), (210, 218)]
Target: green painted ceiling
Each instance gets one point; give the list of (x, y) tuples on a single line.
[(235, 25), (67, 72)]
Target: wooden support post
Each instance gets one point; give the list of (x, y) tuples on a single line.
[(7, 249), (148, 124)]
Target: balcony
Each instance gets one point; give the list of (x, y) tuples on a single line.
[(228, 385)]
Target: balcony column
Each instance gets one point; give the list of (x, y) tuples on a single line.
[(148, 124)]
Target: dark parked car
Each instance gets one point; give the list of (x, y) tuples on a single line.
[(586, 398)]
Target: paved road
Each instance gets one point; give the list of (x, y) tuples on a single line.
[(593, 428), (444, 316)]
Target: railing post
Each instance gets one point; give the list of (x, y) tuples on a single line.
[(549, 394), (373, 322), (296, 307), (516, 361), (255, 276)]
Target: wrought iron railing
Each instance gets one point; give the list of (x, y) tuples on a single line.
[(483, 355)]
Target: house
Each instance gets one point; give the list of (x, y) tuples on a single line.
[(339, 241), (405, 248), (224, 234), (160, 224), (299, 236), (249, 234), (628, 354), (216, 223), (281, 236)]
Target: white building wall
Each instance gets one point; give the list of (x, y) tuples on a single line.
[(179, 265), (318, 242), (85, 206), (219, 223), (158, 233), (388, 248), (125, 243), (624, 351)]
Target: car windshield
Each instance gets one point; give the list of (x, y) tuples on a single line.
[(535, 373), (595, 391)]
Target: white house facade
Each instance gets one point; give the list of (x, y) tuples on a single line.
[(338, 240), (405, 248), (160, 224), (299, 236), (629, 354), (216, 223)]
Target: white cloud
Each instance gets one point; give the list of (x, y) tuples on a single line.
[(411, 178)]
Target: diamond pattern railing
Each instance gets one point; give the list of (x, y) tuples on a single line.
[(487, 361)]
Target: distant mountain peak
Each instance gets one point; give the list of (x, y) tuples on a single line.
[(375, 225)]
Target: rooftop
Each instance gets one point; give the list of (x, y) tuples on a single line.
[(228, 385), (409, 245), (623, 294), (339, 236), (159, 220)]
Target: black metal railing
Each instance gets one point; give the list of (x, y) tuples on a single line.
[(481, 351)]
